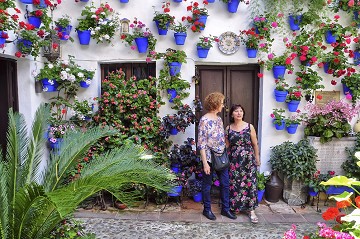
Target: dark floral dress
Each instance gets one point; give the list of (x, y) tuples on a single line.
[(242, 172)]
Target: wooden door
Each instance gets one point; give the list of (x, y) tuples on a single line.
[(8, 95), (239, 84)]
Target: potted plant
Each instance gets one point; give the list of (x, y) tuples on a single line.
[(262, 179), (293, 122), (351, 85), (39, 16), (281, 89), (293, 98), (82, 109), (251, 41), (204, 45), (174, 59), (86, 24), (49, 76), (163, 20), (297, 162), (172, 124), (334, 62), (306, 47), (142, 36), (8, 22), (309, 81), (57, 132), (63, 26), (180, 32), (174, 85), (264, 23), (314, 182), (279, 64), (198, 17), (333, 31), (30, 40), (329, 120), (278, 118), (233, 5), (195, 187)]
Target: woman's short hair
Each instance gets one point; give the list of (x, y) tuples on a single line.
[(233, 108), (213, 101)]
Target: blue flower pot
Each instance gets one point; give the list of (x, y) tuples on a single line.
[(175, 68), (84, 37), (84, 0), (172, 93), (291, 129), (356, 17), (233, 6), (177, 0), (294, 22), (357, 58), (2, 40), (280, 127), (24, 45), (83, 84), (174, 131), (346, 89), (260, 195), (202, 19), (211, 1), (326, 67), (65, 32), (176, 168), (338, 190), (202, 52), (330, 37), (180, 38), (293, 105), (197, 197), (42, 4), (279, 71), (27, 1), (312, 193), (175, 191), (251, 53), (142, 44), (280, 96), (161, 31), (35, 21), (49, 86)]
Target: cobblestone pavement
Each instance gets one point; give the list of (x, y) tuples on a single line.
[(186, 221)]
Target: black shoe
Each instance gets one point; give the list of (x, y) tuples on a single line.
[(209, 215), (228, 214)]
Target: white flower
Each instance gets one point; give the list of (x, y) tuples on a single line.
[(72, 78), (50, 66), (146, 156), (92, 32), (107, 37), (267, 173), (63, 75), (103, 13), (357, 155), (51, 82), (45, 89), (97, 28), (80, 74), (93, 16), (67, 69), (111, 24)]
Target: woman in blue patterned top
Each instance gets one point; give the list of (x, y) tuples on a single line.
[(211, 136)]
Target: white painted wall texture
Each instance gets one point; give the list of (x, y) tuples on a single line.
[(219, 21)]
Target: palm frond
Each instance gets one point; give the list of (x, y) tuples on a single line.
[(4, 203), (73, 147), (35, 148)]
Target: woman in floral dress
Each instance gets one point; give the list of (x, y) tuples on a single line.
[(244, 159)]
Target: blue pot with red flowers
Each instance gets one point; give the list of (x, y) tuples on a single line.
[(180, 38), (233, 6)]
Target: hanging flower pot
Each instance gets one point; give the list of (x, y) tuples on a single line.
[(85, 83), (177, 0), (294, 22), (291, 129), (356, 57), (293, 105), (279, 71), (84, 37), (49, 85), (180, 38), (142, 44), (27, 1), (172, 93), (65, 32), (326, 67), (42, 4), (251, 52), (2, 37), (202, 52), (260, 195), (175, 68), (280, 96), (84, 0), (160, 30), (35, 21), (280, 127), (211, 1), (330, 37), (346, 89), (197, 197), (124, 1), (312, 193), (202, 19), (174, 131), (233, 5), (356, 17), (175, 191), (176, 168)]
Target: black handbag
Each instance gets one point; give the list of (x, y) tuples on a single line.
[(220, 161)]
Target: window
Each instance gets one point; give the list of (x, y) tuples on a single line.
[(140, 70)]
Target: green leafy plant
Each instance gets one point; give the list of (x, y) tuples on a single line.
[(70, 229), (294, 93), (297, 161), (309, 80), (278, 117), (264, 24), (63, 21), (353, 83), (295, 119), (179, 27), (261, 179), (281, 84), (87, 22), (329, 120), (336, 61), (180, 121), (350, 165), (315, 180), (250, 38), (82, 109), (207, 42), (40, 198), (172, 55), (8, 21), (164, 18), (196, 12), (283, 60)]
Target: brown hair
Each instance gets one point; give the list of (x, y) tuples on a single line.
[(213, 101), (233, 108)]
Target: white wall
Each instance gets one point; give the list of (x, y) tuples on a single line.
[(219, 21)]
